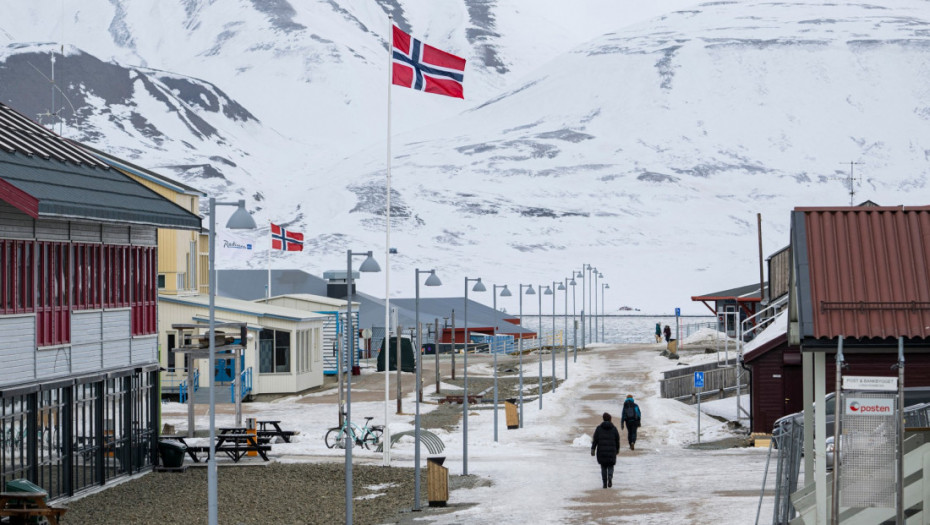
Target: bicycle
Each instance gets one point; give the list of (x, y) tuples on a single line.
[(364, 436)]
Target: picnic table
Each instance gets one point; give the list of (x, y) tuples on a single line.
[(23, 505), (265, 432), (234, 444)]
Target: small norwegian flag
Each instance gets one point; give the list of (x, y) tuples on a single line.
[(425, 68), (282, 239)]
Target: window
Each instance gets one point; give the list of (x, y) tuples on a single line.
[(53, 307), (161, 281), (16, 281), (171, 354), (274, 348), (140, 291)]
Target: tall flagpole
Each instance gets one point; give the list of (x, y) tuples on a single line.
[(268, 264), (386, 457)]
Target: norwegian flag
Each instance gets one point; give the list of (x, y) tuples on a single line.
[(425, 68), (282, 239)]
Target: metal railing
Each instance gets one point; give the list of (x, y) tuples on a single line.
[(245, 379), (182, 386)]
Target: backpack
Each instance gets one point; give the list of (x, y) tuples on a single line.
[(629, 412)]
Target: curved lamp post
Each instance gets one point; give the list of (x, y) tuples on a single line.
[(368, 265), (564, 288), (592, 271), (604, 286), (584, 321), (240, 220), (529, 291), (572, 283), (552, 346), (479, 287), (432, 280), (539, 338), (504, 293)]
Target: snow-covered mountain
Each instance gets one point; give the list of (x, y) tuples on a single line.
[(640, 139)]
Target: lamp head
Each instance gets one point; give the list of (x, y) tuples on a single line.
[(432, 280), (561, 287), (606, 285), (530, 290), (600, 275), (548, 291), (572, 282), (369, 265), (241, 219), (505, 292), (479, 286), (580, 274)]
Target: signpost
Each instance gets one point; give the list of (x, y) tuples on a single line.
[(699, 384)]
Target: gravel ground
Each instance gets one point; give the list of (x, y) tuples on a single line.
[(294, 493), (273, 493)]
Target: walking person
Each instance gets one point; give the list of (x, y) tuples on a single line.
[(606, 444), (630, 417), (658, 332), (668, 333)]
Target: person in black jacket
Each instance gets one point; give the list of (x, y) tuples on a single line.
[(606, 444), (630, 416)]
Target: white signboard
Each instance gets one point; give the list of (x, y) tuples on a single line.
[(870, 383), (869, 406)]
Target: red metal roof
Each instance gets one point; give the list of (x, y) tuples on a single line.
[(869, 270)]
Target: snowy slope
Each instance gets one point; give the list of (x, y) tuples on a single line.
[(642, 139)]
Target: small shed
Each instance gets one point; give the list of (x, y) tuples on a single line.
[(776, 388)]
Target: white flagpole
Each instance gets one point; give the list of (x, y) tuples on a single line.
[(386, 458), (268, 265)]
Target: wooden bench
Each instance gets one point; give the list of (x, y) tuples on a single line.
[(459, 399)]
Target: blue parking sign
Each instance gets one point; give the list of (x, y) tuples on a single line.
[(699, 380), (677, 312)]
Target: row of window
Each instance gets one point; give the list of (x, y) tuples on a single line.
[(52, 278)]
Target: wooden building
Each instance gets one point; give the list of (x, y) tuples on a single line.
[(78, 290)]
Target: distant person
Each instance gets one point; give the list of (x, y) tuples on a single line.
[(606, 444), (668, 333), (630, 417), (658, 332)]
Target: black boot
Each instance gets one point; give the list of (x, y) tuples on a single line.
[(610, 482)]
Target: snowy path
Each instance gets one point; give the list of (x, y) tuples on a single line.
[(544, 473)]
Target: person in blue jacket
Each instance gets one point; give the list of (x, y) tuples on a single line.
[(606, 443), (630, 417)]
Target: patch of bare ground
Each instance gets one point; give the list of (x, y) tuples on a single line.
[(597, 505)]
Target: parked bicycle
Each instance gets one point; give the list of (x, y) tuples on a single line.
[(364, 436)]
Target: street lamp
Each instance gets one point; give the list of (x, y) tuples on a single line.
[(504, 293), (594, 333), (477, 288), (604, 286), (529, 291), (240, 220), (596, 277), (591, 272), (583, 310), (572, 283), (432, 280), (368, 265), (552, 346), (563, 287), (539, 338)]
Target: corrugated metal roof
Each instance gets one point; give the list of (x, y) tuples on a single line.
[(863, 272), (74, 184), (21, 135)]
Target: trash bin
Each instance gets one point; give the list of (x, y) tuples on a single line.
[(22, 485), (673, 345), (437, 482), (513, 417), (172, 453)]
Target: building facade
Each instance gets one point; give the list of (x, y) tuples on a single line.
[(78, 292)]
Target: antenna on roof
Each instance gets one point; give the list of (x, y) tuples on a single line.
[(54, 113), (851, 181)]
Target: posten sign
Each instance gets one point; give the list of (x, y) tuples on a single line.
[(869, 406)]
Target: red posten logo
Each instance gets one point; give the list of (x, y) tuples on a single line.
[(874, 409)]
